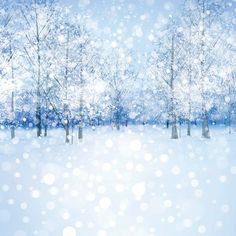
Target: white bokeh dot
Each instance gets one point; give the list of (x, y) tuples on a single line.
[(105, 202), (109, 143), (35, 194), (69, 231), (135, 145), (202, 229), (49, 179), (164, 158)]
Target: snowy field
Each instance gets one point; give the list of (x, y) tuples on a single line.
[(135, 182)]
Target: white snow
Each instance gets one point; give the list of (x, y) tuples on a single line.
[(136, 181), (105, 202), (69, 231), (49, 179), (139, 190)]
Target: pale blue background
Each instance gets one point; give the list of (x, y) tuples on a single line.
[(153, 9)]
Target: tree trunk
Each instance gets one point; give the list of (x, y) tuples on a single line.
[(66, 104), (67, 125), (174, 131), (72, 134), (167, 124), (13, 116), (46, 121), (180, 129), (67, 131), (189, 119), (205, 126), (80, 133), (45, 131), (189, 102), (190, 56), (118, 126), (12, 97), (117, 119), (13, 132), (80, 130), (189, 128), (230, 130), (229, 108), (38, 119), (38, 103)]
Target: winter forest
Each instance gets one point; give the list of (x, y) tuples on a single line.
[(120, 128), (58, 70)]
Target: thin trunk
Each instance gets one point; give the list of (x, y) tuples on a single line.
[(45, 131), (12, 98), (174, 131), (13, 115), (81, 108), (80, 133), (180, 129), (67, 130), (72, 134), (38, 100), (117, 111), (117, 120), (66, 106), (189, 128), (38, 118), (118, 126), (46, 110), (81, 98), (230, 130), (205, 122), (66, 124), (229, 110), (80, 128), (167, 123), (205, 126), (189, 86), (189, 118), (46, 121)]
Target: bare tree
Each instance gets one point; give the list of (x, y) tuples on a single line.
[(38, 18), (166, 66)]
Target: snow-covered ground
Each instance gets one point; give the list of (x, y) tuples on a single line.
[(135, 182)]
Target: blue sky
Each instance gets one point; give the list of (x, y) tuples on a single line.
[(131, 16)]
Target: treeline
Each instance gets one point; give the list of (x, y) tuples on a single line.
[(58, 70)]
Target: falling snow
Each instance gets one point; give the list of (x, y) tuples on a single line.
[(117, 118)]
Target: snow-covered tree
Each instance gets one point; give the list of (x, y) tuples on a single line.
[(38, 21), (166, 64), (205, 27), (119, 76), (9, 62)]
